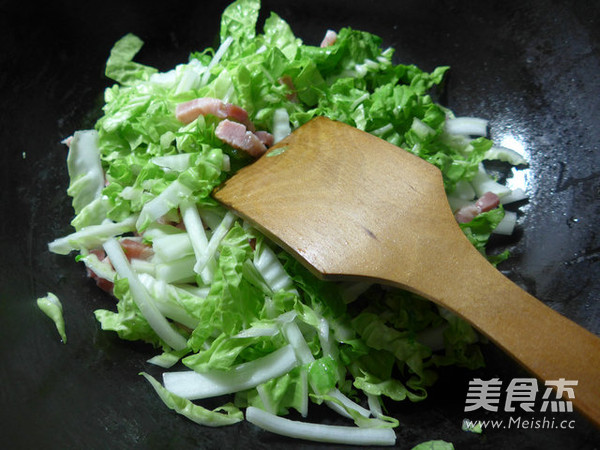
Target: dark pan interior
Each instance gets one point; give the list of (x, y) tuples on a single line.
[(531, 67)]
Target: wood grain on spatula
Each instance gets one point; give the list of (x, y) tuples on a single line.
[(352, 206)]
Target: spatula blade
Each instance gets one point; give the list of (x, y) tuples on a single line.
[(339, 198)]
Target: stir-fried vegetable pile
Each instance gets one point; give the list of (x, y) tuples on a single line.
[(228, 311)]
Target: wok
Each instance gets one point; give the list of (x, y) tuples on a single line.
[(529, 66)]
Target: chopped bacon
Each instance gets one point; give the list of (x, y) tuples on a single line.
[(265, 137), (102, 283), (136, 250), (239, 114), (329, 39), (133, 249), (252, 242), (466, 213), (188, 111), (486, 202), (236, 135), (100, 253)]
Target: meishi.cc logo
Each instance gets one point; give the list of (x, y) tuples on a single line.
[(520, 393)]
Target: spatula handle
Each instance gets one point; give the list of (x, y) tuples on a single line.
[(547, 344)]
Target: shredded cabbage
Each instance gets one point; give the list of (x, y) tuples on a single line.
[(211, 293)]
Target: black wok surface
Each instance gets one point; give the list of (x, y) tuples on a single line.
[(531, 67)]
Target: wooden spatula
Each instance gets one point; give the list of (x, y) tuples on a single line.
[(352, 206)]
